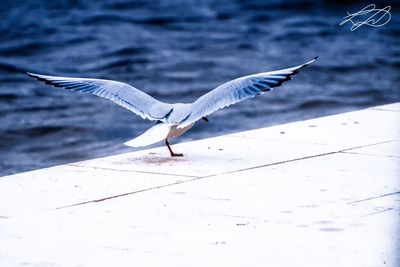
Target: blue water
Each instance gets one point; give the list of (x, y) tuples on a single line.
[(177, 51)]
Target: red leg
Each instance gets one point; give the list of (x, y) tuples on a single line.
[(172, 152)]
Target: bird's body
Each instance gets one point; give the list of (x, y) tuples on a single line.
[(173, 120), (175, 131)]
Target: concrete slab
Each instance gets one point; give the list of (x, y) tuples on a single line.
[(345, 130), (33, 192), (251, 218), (388, 107), (389, 149), (211, 156), (258, 198)]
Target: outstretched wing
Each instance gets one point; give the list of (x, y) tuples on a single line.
[(237, 90), (121, 93)]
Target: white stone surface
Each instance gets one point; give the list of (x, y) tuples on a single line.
[(55, 187), (322, 192)]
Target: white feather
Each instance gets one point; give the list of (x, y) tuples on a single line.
[(153, 135)]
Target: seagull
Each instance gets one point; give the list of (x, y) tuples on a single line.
[(172, 120)]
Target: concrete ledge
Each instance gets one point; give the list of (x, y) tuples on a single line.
[(321, 192)]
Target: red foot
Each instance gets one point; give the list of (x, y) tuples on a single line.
[(172, 152)]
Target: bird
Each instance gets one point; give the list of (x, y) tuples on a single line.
[(172, 120)]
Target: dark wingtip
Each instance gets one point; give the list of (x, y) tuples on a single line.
[(311, 61), (31, 74), (305, 65), (41, 79), (301, 67), (35, 76)]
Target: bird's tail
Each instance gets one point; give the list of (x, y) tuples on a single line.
[(153, 135)]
